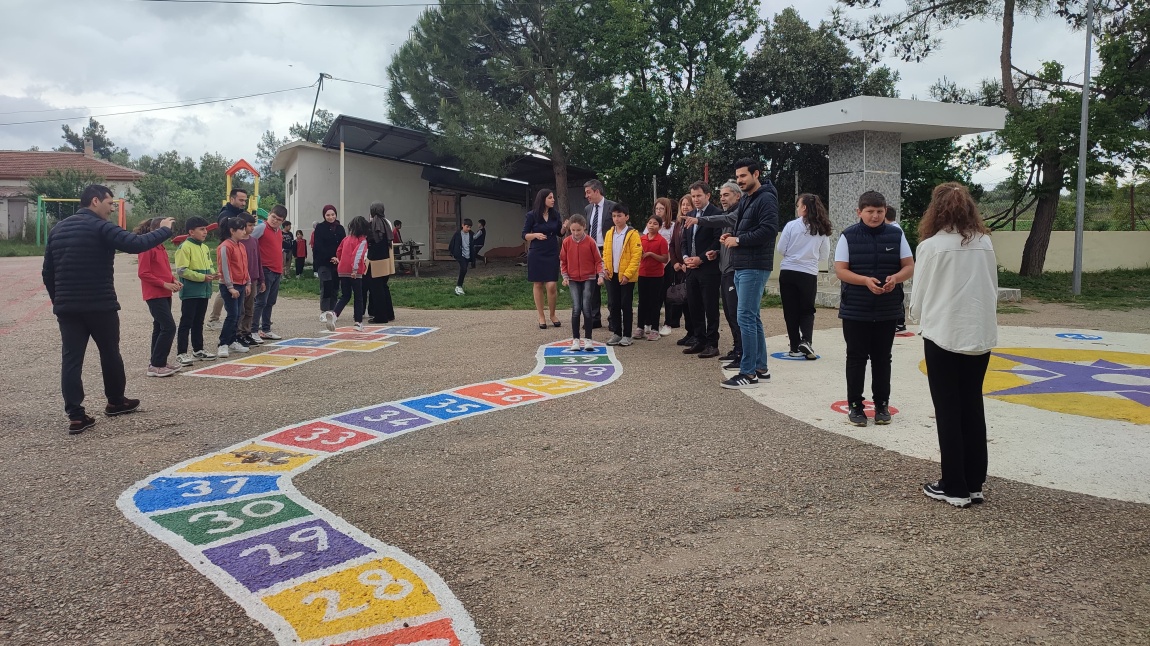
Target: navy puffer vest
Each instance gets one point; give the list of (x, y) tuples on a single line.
[(873, 252)]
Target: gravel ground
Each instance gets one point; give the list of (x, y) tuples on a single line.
[(657, 510)]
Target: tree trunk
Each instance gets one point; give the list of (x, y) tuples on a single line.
[(1009, 95), (1034, 251), (559, 165)]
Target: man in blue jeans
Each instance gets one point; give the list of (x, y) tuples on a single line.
[(752, 256)]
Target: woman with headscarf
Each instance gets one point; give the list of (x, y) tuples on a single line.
[(324, 242), (381, 265)]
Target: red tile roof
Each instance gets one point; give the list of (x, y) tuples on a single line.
[(21, 164)]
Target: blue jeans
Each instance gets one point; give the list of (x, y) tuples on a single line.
[(265, 301), (749, 284), (582, 299), (232, 317)]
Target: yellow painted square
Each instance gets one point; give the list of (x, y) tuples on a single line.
[(262, 458), (549, 385), (359, 346), (372, 594), (277, 360)]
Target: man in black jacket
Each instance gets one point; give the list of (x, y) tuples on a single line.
[(236, 206), (752, 248), (79, 270), (703, 274)]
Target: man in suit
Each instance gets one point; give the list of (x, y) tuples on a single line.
[(699, 250), (598, 211)]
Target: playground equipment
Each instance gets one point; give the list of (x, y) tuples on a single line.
[(42, 208), (253, 200)]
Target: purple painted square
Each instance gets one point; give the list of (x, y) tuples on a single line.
[(282, 554), (598, 373), (384, 419)]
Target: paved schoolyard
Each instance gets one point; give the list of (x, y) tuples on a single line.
[(657, 509)]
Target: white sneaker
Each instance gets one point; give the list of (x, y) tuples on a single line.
[(203, 355), (222, 352), (185, 359), (212, 325), (459, 291), (236, 346), (160, 371), (329, 321), (574, 345), (359, 327), (270, 336), (665, 330), (639, 333)]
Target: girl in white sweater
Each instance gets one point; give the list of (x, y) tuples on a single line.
[(955, 300), (805, 245)]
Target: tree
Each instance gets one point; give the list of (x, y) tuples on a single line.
[(1042, 124), (495, 79), (64, 184), (180, 187), (319, 127), (102, 145)]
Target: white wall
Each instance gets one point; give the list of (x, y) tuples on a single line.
[(1101, 250), (504, 221)]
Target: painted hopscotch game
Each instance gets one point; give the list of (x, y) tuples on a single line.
[(288, 353), (302, 571)]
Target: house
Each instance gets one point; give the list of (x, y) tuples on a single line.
[(18, 167), (419, 186)]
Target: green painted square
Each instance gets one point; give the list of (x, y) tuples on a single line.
[(203, 525), (585, 360)]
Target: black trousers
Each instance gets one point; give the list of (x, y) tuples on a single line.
[(379, 305), (651, 297), (192, 312), (672, 312), (163, 329), (619, 300), (703, 305), (75, 330), (463, 264), (475, 256), (731, 309), (956, 389), (797, 290), (597, 302), (868, 340), (299, 266), (328, 287), (349, 288)]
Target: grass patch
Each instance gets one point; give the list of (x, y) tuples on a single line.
[(1013, 309), (13, 248), (1117, 289)]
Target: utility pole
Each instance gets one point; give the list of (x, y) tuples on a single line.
[(319, 87), (1080, 211)]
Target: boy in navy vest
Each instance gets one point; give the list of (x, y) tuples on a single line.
[(872, 260)]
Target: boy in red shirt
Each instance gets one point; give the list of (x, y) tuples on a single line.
[(235, 283)]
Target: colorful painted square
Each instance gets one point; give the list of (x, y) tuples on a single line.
[(302, 343), (384, 419), (433, 633), (203, 525), (232, 371), (360, 346), (446, 405), (408, 331), (578, 360), (499, 394), (170, 493), (269, 359), (590, 373), (302, 352), (562, 351), (350, 329), (549, 385), (358, 336), (253, 458), (320, 436), (379, 592), (285, 553)]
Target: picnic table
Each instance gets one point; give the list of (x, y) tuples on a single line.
[(408, 253)]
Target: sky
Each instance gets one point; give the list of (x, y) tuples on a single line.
[(96, 57)]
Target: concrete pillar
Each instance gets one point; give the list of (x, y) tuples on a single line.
[(860, 161)]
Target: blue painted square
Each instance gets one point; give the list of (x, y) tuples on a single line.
[(407, 331), (384, 419), (303, 343), (170, 493), (446, 405), (560, 351)]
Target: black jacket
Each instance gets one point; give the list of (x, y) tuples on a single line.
[(79, 261), (379, 242), (455, 247), (873, 252), (757, 228), (706, 239), (325, 240), (228, 211)]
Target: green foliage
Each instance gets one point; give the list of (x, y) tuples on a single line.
[(102, 144), (299, 131), (1117, 289), (12, 248), (67, 183), (180, 187)]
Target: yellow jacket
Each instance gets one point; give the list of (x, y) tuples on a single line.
[(628, 265)]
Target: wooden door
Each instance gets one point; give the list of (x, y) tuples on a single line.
[(443, 215)]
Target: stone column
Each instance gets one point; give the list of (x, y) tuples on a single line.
[(860, 161)]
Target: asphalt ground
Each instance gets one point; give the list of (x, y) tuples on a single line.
[(657, 510)]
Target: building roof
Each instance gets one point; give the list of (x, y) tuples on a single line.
[(914, 120), (26, 164)]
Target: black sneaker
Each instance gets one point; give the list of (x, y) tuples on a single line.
[(687, 341), (695, 349), (740, 382), (709, 352), (734, 365), (243, 340), (881, 414), (77, 426), (730, 356), (763, 375), (977, 498), (807, 351), (856, 415), (935, 490), (900, 328), (123, 408)]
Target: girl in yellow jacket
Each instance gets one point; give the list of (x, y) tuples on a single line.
[(622, 251)]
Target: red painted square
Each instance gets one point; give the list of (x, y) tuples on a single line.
[(303, 352), (368, 329), (357, 336), (234, 371), (320, 436), (499, 394), (433, 632)]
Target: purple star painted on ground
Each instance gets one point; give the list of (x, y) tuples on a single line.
[(1064, 377)]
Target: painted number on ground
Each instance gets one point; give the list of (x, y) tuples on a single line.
[(208, 524)]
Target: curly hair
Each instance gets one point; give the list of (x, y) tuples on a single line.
[(951, 209)]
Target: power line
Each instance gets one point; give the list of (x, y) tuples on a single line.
[(173, 107), (339, 5), (112, 107), (335, 78)]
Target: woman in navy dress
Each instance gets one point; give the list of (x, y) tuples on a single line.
[(542, 228)]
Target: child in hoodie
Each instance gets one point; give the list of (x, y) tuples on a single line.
[(196, 273), (581, 266), (158, 284), (352, 256)]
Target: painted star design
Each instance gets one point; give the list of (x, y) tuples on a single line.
[(1063, 377)]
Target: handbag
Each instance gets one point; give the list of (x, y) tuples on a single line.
[(677, 293)]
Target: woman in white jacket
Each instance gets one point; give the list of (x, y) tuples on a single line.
[(955, 301), (805, 245)]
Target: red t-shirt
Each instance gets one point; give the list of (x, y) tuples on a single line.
[(649, 267)]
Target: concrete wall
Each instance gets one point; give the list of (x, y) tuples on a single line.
[(1101, 250), (504, 221)]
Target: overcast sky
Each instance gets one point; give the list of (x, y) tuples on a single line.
[(102, 56)]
